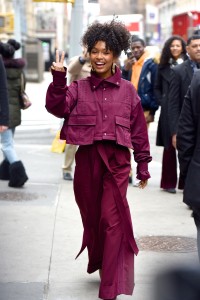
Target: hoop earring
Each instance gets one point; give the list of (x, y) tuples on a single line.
[(113, 68)]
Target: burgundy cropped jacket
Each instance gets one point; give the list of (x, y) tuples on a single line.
[(96, 109)]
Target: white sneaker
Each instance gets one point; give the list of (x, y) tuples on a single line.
[(135, 182)]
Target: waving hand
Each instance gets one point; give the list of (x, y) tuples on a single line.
[(58, 64)]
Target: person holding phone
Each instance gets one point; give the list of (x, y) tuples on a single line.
[(140, 68)]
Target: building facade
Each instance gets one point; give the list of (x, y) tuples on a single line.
[(50, 22)]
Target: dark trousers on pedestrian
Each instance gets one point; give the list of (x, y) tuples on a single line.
[(100, 186), (196, 216), (169, 168)]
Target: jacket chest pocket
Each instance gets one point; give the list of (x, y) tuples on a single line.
[(81, 129), (124, 108), (86, 108), (123, 133)]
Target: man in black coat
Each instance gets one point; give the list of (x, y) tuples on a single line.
[(188, 146), (3, 98), (180, 80)]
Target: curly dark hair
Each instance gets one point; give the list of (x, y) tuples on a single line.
[(114, 34), (166, 53)]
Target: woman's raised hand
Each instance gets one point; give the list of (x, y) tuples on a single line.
[(58, 65)]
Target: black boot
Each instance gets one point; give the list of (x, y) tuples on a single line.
[(4, 170), (17, 175)]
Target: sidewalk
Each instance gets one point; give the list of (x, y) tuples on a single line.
[(41, 230)]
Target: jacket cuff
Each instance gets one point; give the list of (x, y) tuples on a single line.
[(142, 171), (59, 78)]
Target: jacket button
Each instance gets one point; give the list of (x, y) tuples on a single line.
[(105, 99), (104, 133)]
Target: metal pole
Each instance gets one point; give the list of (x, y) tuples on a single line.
[(17, 25), (76, 28), (190, 29)]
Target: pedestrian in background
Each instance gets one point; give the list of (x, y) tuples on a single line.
[(140, 69), (78, 67), (12, 168), (104, 116), (181, 77), (3, 100), (173, 53), (188, 145)]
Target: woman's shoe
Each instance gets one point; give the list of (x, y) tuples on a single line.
[(171, 191)]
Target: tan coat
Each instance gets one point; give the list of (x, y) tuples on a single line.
[(76, 70)]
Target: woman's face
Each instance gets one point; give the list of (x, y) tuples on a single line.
[(102, 60), (176, 49)]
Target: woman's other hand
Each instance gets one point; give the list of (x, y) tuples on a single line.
[(58, 65)]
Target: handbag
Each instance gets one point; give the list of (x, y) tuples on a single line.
[(23, 97), (58, 145)]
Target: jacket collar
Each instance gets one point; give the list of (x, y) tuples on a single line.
[(115, 79)]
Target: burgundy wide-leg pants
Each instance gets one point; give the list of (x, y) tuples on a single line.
[(169, 168), (100, 186)]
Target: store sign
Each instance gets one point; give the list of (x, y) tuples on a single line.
[(151, 14), (6, 23)]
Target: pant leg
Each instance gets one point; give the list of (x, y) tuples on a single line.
[(70, 151), (117, 275), (196, 215), (88, 193), (104, 233), (8, 146), (169, 168)]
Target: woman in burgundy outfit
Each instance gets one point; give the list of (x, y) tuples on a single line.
[(104, 116)]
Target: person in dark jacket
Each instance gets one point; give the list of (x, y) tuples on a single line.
[(173, 53), (181, 77), (12, 168), (104, 116), (188, 145), (4, 115)]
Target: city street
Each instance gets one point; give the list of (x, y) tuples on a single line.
[(41, 229)]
